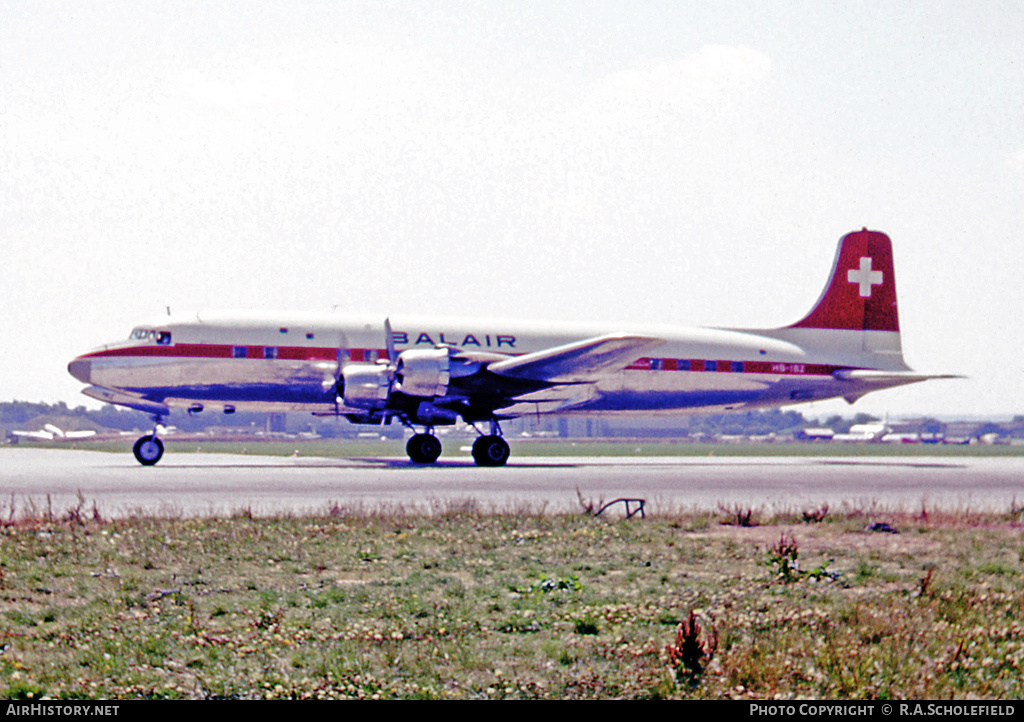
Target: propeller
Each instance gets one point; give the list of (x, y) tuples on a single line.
[(389, 344)]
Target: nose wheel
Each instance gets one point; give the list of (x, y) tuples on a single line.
[(423, 448), (148, 450)]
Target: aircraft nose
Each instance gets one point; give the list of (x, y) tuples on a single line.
[(81, 370)]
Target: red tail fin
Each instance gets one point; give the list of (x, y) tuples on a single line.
[(861, 292)]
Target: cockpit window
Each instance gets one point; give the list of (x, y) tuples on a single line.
[(162, 338)]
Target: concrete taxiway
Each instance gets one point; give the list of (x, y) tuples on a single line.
[(222, 484)]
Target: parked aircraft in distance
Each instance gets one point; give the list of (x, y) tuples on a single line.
[(51, 432), (426, 372)]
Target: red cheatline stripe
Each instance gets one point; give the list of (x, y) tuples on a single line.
[(203, 350), (360, 354), (749, 367)]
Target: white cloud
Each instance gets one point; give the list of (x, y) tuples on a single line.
[(1016, 161), (713, 71), (237, 90)]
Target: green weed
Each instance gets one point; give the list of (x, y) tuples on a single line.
[(469, 605)]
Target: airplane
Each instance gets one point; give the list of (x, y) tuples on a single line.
[(51, 432), (427, 372)]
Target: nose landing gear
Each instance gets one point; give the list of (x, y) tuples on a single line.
[(149, 449)]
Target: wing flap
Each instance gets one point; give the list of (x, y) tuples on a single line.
[(580, 362)]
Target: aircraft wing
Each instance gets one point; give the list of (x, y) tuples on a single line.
[(549, 401), (577, 363), (121, 398)]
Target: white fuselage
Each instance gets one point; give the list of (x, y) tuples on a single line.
[(292, 362)]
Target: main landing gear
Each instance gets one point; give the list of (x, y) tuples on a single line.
[(491, 449), (423, 448), (149, 449), (488, 449)]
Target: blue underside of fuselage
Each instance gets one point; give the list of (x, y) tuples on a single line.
[(668, 400), (619, 401), (229, 393)]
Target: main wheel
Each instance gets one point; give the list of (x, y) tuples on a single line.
[(490, 451), (148, 450), (423, 448)]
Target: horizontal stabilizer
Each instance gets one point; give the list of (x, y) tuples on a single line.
[(118, 398), (887, 378), (580, 362), (864, 381)]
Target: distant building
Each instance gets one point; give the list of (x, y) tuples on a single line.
[(864, 432), (815, 434)]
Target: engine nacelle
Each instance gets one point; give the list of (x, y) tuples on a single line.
[(423, 372), (365, 386)]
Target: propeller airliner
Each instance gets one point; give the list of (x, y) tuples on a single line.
[(427, 372)]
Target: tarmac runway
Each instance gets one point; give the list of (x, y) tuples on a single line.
[(222, 484)]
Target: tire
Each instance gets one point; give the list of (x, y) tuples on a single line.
[(490, 451), (148, 450), (423, 449)]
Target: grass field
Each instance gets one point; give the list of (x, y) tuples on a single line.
[(467, 605)]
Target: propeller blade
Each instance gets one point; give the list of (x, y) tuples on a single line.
[(389, 344)]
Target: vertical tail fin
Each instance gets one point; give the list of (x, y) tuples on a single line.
[(861, 292)]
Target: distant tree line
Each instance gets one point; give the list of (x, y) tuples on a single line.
[(841, 425), (15, 413), (742, 423), (747, 423)]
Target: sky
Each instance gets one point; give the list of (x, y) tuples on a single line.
[(685, 163)]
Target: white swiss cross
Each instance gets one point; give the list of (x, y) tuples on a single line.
[(864, 277)]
